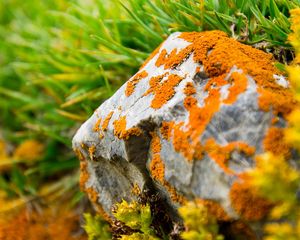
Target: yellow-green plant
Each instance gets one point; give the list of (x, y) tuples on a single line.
[(96, 228), (199, 224), (136, 216)]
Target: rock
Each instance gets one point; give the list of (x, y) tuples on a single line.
[(186, 127)]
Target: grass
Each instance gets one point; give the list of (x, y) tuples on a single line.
[(61, 59)]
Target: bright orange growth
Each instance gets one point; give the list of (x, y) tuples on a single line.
[(97, 126), (84, 175), (166, 129), (185, 141), (157, 169), (274, 142), (136, 190), (120, 129), (173, 59), (157, 166), (247, 203), (154, 83), (239, 85), (189, 89), (215, 209), (134, 81), (50, 223), (106, 121), (218, 54), (221, 154), (181, 142), (93, 195), (163, 90), (280, 101), (79, 154), (92, 151)]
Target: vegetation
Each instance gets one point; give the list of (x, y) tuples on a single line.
[(199, 224), (60, 59), (96, 227)]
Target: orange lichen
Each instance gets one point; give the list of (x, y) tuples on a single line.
[(93, 195), (92, 150), (79, 154), (134, 81), (97, 125), (102, 213), (181, 142), (101, 135), (215, 209), (173, 59), (84, 175), (274, 142), (281, 102), (221, 154), (162, 57), (106, 121), (120, 129), (157, 169), (239, 85), (246, 202), (219, 54), (189, 89), (136, 190), (163, 90), (154, 84), (166, 129)]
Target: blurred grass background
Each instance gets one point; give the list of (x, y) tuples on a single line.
[(59, 60)]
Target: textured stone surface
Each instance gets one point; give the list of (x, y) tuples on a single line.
[(186, 126)]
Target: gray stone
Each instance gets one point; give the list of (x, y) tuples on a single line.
[(115, 165)]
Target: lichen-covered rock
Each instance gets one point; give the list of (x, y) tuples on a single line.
[(187, 126)]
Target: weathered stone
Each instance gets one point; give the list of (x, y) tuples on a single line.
[(187, 126)]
